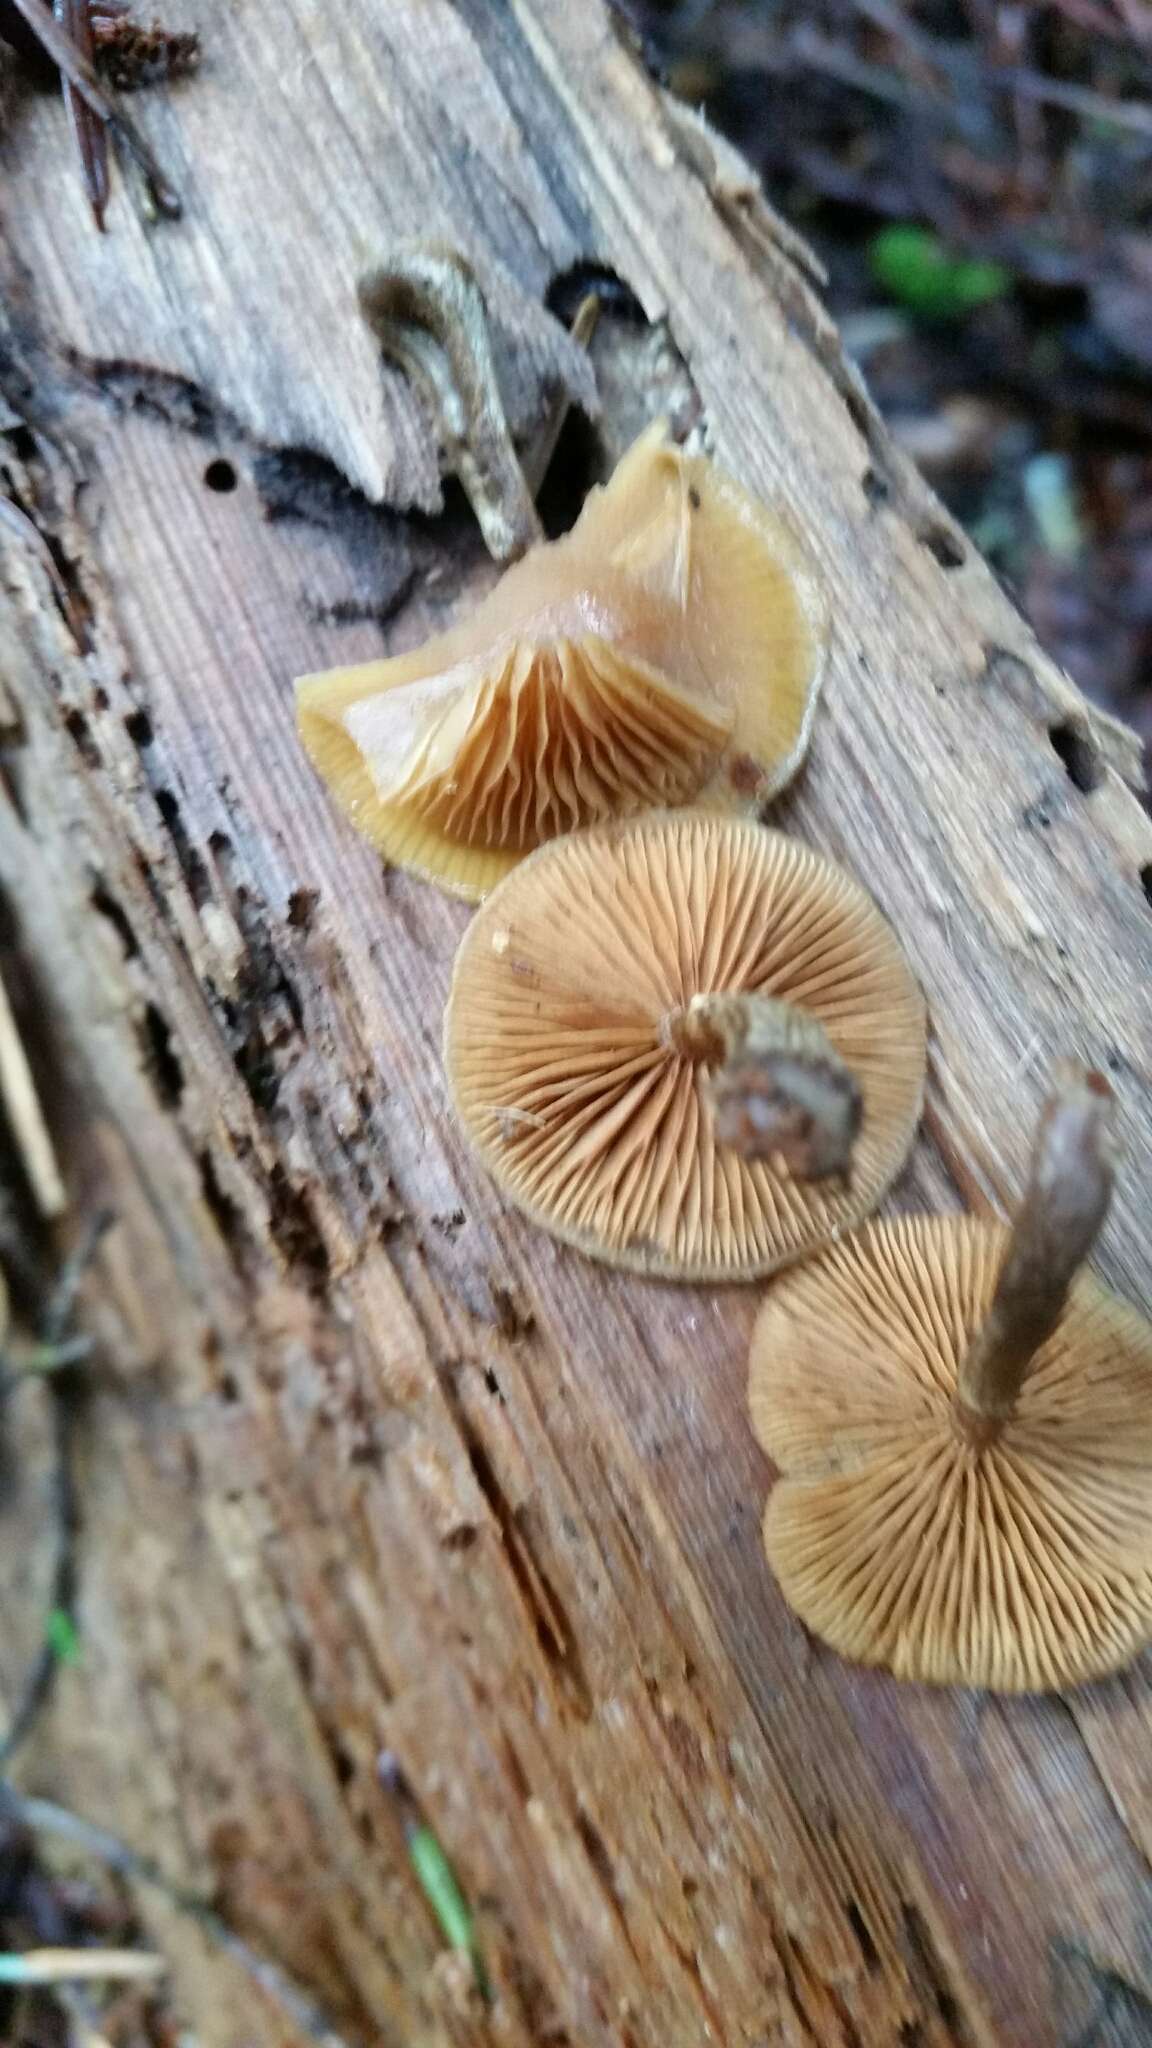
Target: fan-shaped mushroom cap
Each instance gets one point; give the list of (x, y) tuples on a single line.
[(1020, 1567), (669, 647), (564, 1022)]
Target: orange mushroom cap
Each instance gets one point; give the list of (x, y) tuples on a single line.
[(1018, 1559), (668, 648), (581, 1075)]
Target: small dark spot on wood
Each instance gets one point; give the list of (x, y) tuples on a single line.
[(596, 1850), (138, 727), (694, 498), (859, 1926), (1036, 817), (462, 1537), (876, 488), (492, 1383), (100, 699), (1079, 753), (76, 726), (928, 1969), (1146, 880), (859, 411), (106, 906), (511, 1318), (10, 783), (191, 861), (220, 475), (302, 906), (942, 545), (225, 1213), (160, 1061), (219, 845), (293, 1225), (690, 1888), (227, 1387), (449, 1224)]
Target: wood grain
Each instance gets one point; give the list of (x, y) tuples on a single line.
[(368, 1463)]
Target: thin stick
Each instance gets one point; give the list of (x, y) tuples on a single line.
[(91, 136), (26, 1119), (43, 1816), (1065, 1203), (81, 76), (80, 1965)]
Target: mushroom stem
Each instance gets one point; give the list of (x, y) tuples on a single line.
[(1064, 1206), (778, 1086), (427, 311)]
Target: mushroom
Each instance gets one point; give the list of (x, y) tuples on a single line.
[(964, 1428), (668, 649), (656, 1028)]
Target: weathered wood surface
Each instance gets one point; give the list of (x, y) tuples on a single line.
[(368, 1463)]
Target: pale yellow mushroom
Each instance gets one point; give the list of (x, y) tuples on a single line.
[(667, 650)]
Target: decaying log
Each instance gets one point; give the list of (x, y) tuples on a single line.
[(367, 1464)]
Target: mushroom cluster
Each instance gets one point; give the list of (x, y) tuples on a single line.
[(689, 1046)]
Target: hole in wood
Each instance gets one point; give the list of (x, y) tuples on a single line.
[(160, 1061), (1079, 754), (1146, 879), (577, 464), (942, 546), (220, 475)]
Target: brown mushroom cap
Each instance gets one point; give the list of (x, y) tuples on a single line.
[(569, 1082), (668, 648), (1022, 1567)]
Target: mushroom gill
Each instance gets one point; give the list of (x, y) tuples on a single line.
[(964, 1431), (667, 649), (628, 988)]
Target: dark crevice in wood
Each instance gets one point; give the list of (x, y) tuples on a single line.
[(929, 1974), (859, 1926), (226, 1214), (944, 546), (1074, 745), (552, 1629), (189, 858), (109, 907), (138, 727), (80, 733), (160, 1061), (295, 1231), (572, 285)]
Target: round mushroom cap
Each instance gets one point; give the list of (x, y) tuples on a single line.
[(1024, 1567), (564, 1074), (668, 648)]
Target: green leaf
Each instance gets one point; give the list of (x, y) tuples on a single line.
[(440, 1888), (917, 270), (62, 1636)]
